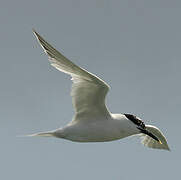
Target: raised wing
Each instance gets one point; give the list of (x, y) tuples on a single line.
[(88, 91)]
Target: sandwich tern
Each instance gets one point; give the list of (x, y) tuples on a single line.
[(92, 121)]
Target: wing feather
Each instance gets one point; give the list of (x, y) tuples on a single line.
[(88, 91)]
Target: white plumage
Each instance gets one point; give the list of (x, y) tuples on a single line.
[(92, 121)]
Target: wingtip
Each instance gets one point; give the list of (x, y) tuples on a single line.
[(38, 37), (34, 32)]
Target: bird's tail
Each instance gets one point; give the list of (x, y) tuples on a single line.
[(43, 134)]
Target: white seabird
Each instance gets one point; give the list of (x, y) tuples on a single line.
[(92, 121)]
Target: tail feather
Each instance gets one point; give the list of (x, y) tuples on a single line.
[(42, 134)]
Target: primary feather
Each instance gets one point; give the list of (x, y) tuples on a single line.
[(88, 91)]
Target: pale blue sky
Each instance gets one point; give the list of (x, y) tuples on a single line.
[(134, 45)]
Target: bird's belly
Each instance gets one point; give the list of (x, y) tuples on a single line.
[(94, 133)]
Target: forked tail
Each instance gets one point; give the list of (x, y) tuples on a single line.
[(43, 134)]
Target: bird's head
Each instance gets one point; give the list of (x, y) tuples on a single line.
[(153, 137)]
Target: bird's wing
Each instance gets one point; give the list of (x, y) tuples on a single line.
[(88, 91), (151, 143)]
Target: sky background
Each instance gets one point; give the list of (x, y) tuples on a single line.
[(133, 45)]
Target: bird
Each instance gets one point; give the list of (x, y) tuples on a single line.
[(92, 121)]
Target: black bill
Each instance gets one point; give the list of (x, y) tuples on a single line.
[(144, 131)]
